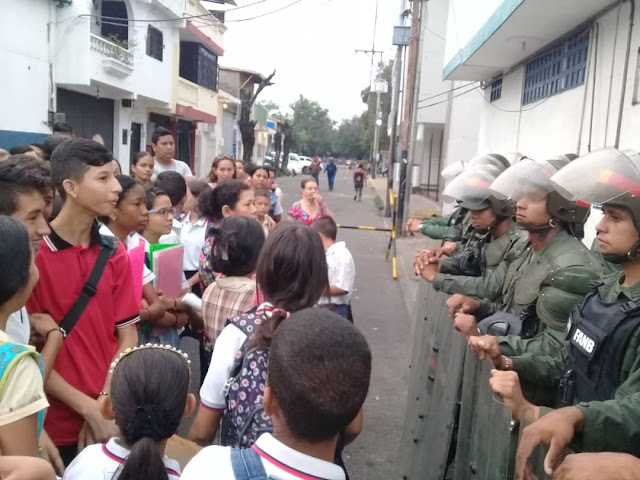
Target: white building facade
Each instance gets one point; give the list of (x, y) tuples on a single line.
[(553, 77)]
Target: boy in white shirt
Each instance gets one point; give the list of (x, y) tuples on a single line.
[(309, 406), (341, 268)]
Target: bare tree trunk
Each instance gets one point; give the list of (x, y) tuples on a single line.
[(287, 132), (277, 142), (247, 126)]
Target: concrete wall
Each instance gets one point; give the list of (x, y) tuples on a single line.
[(24, 84)]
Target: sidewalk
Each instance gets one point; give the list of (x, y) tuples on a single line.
[(419, 205)]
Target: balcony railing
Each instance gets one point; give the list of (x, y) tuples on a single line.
[(109, 49)]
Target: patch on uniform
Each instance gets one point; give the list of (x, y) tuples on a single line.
[(583, 342)]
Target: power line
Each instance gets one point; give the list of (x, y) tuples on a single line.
[(447, 91), (264, 14), (455, 96), (513, 111)]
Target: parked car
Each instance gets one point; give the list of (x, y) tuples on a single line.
[(296, 165)]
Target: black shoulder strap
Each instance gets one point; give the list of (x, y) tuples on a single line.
[(89, 289)]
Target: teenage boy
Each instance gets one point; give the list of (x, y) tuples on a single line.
[(165, 148), (309, 406), (176, 187), (341, 268), (99, 320)]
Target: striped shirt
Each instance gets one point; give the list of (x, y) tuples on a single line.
[(226, 297)]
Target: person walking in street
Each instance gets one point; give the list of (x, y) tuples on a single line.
[(314, 169), (311, 206), (331, 173), (358, 182)]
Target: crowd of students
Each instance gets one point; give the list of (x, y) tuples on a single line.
[(93, 379), (560, 322)]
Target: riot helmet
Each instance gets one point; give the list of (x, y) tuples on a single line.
[(607, 176), (453, 170), (491, 162), (532, 179), (471, 190)]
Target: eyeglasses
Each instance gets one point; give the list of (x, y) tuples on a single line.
[(165, 211)]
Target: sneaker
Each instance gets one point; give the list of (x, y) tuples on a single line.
[(355, 197)]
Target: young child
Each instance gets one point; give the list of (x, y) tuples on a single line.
[(291, 273), (84, 175), (23, 401), (147, 409), (175, 187), (237, 243), (260, 180), (308, 405), (263, 205)]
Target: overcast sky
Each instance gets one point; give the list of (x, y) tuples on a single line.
[(312, 46)]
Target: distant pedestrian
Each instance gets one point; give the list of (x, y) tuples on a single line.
[(314, 169), (311, 206), (331, 173), (359, 179)]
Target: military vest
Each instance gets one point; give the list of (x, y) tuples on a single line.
[(598, 337)]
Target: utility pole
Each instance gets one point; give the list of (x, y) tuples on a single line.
[(399, 40), (404, 188)]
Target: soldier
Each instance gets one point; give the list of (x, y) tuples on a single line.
[(598, 372), (544, 284), (493, 218)]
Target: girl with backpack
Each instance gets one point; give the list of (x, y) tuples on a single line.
[(147, 409), (292, 274)]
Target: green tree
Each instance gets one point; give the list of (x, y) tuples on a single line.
[(350, 139), (369, 116), (313, 131)]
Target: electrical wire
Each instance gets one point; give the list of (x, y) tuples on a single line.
[(447, 91), (444, 101), (513, 111), (264, 14)]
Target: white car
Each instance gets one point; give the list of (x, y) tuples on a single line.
[(297, 165)]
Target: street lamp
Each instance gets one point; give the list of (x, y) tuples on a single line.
[(379, 122)]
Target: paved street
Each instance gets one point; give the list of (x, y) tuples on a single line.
[(381, 314)]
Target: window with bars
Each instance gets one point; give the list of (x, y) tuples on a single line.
[(557, 70), (496, 89), (199, 65), (155, 43)]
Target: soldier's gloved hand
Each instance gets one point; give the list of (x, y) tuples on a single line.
[(466, 324), (555, 429), (598, 466), (486, 346), (460, 303), (507, 385)]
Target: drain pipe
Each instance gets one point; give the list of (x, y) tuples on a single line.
[(626, 71), (593, 88)]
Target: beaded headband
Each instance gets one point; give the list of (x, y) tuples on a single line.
[(129, 351)]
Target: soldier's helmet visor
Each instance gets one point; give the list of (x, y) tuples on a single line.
[(526, 179), (599, 177), (471, 189)]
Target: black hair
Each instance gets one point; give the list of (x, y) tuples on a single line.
[(140, 155), (160, 132), (260, 167), (37, 145), (20, 149), (118, 162), (226, 193), (196, 187), (22, 174), (263, 192), (151, 193), (149, 391), (72, 159), (62, 127), (127, 183), (50, 144), (174, 184), (319, 372), (213, 178), (305, 180), (237, 242), (292, 273), (15, 257), (326, 226), (249, 168), (361, 166)]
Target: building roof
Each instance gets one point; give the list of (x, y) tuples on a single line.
[(255, 76)]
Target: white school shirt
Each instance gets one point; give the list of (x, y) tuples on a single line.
[(18, 328), (192, 236), (102, 461), (176, 166), (279, 461), (342, 273), (133, 240)]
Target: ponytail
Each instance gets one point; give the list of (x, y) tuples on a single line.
[(264, 335), (144, 461)]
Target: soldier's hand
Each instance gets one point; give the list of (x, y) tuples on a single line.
[(413, 226), (448, 248), (598, 466), (466, 324), (425, 258), (507, 385), (486, 346), (460, 303), (555, 429)]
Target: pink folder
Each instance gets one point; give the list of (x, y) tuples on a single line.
[(136, 259), (167, 265)]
